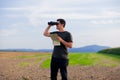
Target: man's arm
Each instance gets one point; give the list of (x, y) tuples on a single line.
[(67, 44), (46, 32)]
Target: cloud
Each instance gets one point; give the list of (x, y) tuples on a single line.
[(105, 22), (78, 15), (21, 15), (108, 36), (8, 32), (48, 11), (109, 13)]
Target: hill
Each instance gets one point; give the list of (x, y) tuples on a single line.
[(90, 48), (25, 50), (111, 51)]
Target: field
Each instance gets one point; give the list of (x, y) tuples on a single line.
[(35, 66)]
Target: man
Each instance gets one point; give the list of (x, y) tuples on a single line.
[(59, 58)]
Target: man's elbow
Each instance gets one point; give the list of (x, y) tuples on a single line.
[(70, 46), (45, 34)]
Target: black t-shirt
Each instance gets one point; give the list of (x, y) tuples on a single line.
[(62, 51)]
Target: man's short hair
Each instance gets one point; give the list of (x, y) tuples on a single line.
[(62, 21)]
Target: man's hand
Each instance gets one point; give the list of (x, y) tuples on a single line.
[(67, 44), (59, 38)]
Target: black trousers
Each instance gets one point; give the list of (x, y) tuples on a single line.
[(57, 64)]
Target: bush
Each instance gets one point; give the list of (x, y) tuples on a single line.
[(111, 51)]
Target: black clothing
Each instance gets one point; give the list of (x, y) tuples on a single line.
[(57, 64), (60, 56), (61, 51)]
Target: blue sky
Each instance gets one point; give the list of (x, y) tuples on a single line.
[(22, 22)]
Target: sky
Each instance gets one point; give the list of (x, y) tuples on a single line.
[(22, 22)]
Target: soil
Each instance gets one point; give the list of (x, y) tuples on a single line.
[(10, 70)]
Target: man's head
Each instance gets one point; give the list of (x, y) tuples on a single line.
[(61, 22)]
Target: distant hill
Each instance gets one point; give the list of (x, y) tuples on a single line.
[(110, 51), (26, 50), (90, 48)]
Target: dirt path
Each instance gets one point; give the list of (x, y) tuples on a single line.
[(10, 70)]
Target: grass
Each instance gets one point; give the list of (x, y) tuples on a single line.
[(33, 56), (82, 59), (24, 64), (37, 58), (89, 59), (94, 59), (46, 63)]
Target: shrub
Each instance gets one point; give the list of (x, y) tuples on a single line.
[(111, 51)]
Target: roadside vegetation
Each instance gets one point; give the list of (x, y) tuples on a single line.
[(82, 59), (111, 51), (90, 59)]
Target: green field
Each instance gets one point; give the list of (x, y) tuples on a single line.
[(82, 59)]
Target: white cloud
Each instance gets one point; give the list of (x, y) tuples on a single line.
[(105, 22), (108, 13), (49, 12), (8, 32), (33, 15), (108, 37), (76, 15)]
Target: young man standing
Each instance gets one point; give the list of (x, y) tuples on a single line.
[(59, 58)]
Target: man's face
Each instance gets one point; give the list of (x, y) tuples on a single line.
[(59, 26)]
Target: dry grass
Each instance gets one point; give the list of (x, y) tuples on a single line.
[(10, 69), (15, 54)]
